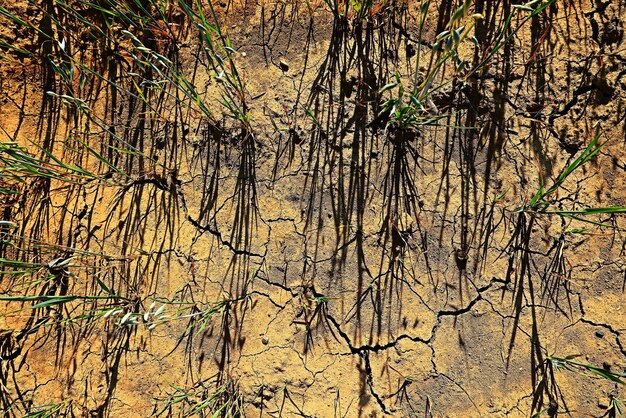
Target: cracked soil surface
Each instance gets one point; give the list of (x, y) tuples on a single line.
[(314, 264)]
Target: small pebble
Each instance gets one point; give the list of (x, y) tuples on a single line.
[(265, 340), (599, 333)]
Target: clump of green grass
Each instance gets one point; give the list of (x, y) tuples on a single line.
[(414, 108), (547, 385), (206, 398), (18, 164), (544, 199), (50, 410), (570, 363), (219, 61), (198, 315), (145, 30)]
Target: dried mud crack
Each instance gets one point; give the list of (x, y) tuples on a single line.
[(316, 209)]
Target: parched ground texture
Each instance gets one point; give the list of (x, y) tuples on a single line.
[(160, 258)]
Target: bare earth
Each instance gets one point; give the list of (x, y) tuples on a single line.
[(314, 263)]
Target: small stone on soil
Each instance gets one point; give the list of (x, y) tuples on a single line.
[(599, 333)]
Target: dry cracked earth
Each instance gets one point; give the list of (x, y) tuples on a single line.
[(160, 258)]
